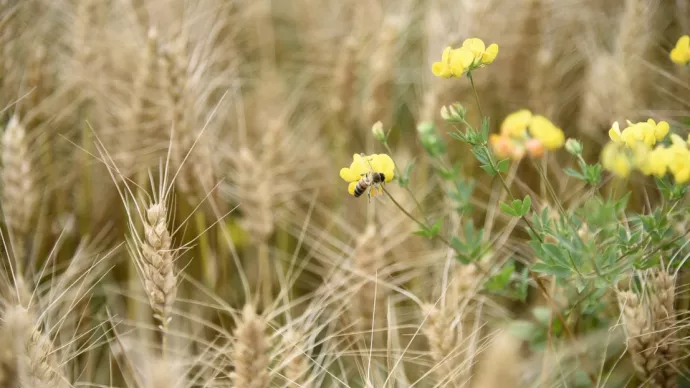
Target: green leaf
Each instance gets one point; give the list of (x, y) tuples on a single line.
[(551, 269), (555, 253), (526, 204), (490, 170), (522, 329), (501, 280), (573, 173), (485, 129), (404, 180), (508, 209), (503, 165), (458, 136)]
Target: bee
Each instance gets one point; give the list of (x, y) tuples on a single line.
[(369, 180)]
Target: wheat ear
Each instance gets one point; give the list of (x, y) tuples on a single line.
[(297, 360), (250, 353), (158, 267), (38, 366), (648, 323), (19, 194)]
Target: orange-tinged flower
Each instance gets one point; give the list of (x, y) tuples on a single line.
[(535, 148), (501, 146)]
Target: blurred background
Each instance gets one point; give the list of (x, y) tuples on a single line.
[(238, 116)]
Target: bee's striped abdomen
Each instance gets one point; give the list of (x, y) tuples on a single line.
[(361, 187)]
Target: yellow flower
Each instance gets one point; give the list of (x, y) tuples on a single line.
[(614, 159), (615, 133), (681, 53), (546, 132), (515, 124), (679, 159), (363, 164), (639, 132), (482, 54), (472, 55), (442, 69), (660, 130), (651, 162), (460, 61)]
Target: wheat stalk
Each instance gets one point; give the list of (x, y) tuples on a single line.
[(649, 330), (19, 194), (296, 360), (157, 266), (250, 352), (38, 364), (444, 337)]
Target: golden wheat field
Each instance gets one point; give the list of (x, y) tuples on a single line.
[(322, 193)]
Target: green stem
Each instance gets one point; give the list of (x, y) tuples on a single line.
[(476, 96), (407, 188), (425, 226)]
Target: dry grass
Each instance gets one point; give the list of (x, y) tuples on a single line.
[(171, 200)]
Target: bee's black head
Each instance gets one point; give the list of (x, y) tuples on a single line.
[(380, 177)]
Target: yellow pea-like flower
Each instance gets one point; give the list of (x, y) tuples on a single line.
[(364, 164), (681, 53), (442, 69), (679, 159), (473, 54), (515, 124), (460, 61), (383, 163), (615, 133), (614, 159), (639, 132), (652, 162), (660, 130), (546, 132), (490, 54)]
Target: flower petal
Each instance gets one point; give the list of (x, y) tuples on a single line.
[(441, 69), (475, 45), (490, 54), (348, 175), (351, 188)]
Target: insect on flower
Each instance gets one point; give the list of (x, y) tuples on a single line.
[(368, 173)]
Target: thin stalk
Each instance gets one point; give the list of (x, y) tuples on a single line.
[(264, 281), (476, 96), (425, 226), (407, 188)]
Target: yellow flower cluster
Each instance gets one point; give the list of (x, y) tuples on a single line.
[(362, 165), (681, 53), (472, 55), (636, 148), (524, 132)]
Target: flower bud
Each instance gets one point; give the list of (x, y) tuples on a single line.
[(573, 146), (453, 113), (430, 140), (377, 131)]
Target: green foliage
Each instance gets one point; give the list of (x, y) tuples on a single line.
[(470, 247), (404, 179), (517, 208)]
